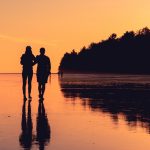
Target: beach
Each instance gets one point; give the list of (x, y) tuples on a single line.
[(88, 112)]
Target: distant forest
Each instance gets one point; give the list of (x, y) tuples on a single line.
[(129, 53)]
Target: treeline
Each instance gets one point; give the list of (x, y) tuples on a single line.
[(129, 53)]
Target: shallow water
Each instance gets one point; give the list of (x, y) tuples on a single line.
[(91, 112)]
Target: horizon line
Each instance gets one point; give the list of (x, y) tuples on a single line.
[(20, 73)]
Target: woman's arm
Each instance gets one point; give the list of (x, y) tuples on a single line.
[(22, 60)]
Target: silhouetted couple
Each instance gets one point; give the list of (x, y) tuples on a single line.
[(28, 60)]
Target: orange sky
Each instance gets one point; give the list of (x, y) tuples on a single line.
[(63, 25)]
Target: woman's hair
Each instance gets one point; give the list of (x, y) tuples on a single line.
[(28, 50)]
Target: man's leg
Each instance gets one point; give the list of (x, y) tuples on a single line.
[(43, 89), (40, 89)]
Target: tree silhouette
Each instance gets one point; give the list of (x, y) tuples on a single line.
[(126, 54)]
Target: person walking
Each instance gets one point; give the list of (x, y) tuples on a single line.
[(27, 61), (43, 71)]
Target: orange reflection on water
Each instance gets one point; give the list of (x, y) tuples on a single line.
[(71, 122)]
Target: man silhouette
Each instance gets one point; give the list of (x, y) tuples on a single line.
[(43, 71), (27, 61), (42, 127)]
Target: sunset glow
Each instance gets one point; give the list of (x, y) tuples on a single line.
[(63, 25)]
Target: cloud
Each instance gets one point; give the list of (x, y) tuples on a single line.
[(22, 40)]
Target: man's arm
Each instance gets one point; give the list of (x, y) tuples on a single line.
[(49, 66), (35, 60)]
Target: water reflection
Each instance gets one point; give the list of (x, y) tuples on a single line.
[(43, 127), (26, 137), (129, 100), (43, 133)]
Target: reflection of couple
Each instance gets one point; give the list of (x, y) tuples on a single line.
[(43, 70), (43, 131)]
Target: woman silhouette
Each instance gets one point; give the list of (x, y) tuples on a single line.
[(27, 61)]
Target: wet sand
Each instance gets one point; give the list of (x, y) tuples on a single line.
[(92, 112)]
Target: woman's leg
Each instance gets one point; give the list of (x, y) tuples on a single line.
[(30, 84), (24, 79)]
